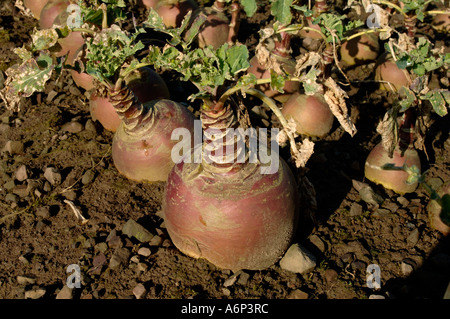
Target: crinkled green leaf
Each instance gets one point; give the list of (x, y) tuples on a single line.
[(237, 58), (439, 101), (310, 84), (109, 51), (32, 75), (44, 39), (407, 98), (23, 53), (277, 81), (281, 10), (250, 7)]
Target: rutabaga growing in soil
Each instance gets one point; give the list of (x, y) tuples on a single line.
[(230, 211)]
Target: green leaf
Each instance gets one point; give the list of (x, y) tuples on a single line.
[(194, 29), (249, 6), (237, 58), (408, 98), (281, 10), (32, 75), (276, 81), (438, 101), (44, 39)]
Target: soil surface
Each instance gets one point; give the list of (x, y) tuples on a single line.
[(40, 237)]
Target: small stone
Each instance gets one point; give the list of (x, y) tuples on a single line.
[(243, 278), (70, 195), (21, 173), (51, 95), (377, 297), (74, 90), (90, 126), (47, 187), (13, 147), (65, 293), (53, 176), (226, 292), (72, 127), (119, 257), (35, 293), (407, 267), (413, 237), (331, 275), (144, 251), (9, 185), (230, 281), (12, 198), (101, 247), (115, 242), (136, 230), (381, 213), (142, 266), (135, 259), (316, 241), (356, 210), (297, 259), (139, 291), (403, 201), (88, 177), (97, 264), (447, 293), (23, 280), (21, 190), (297, 294), (155, 241)]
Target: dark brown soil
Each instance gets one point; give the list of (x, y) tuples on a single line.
[(40, 236)]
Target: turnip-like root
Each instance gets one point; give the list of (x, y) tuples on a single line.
[(216, 28), (172, 13), (359, 50), (232, 215), (83, 80), (434, 211), (50, 13), (148, 3), (391, 77), (311, 114), (391, 179), (35, 6), (280, 60), (146, 84), (142, 145), (104, 112)]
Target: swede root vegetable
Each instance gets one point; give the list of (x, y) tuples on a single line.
[(216, 28), (434, 211), (148, 3), (360, 49), (173, 12), (311, 114), (142, 144), (50, 13), (145, 83), (404, 153), (230, 214), (312, 30), (391, 77), (281, 57), (35, 6)]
